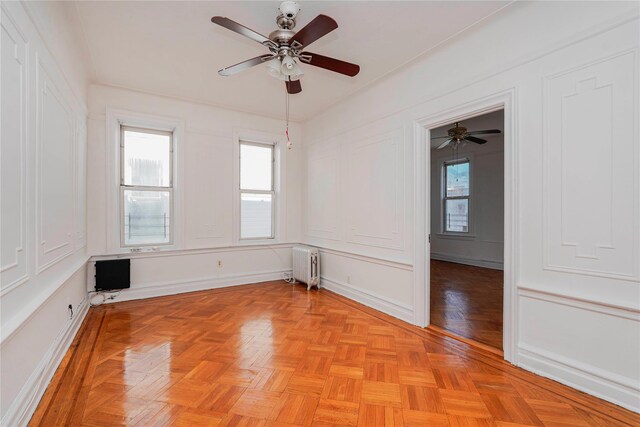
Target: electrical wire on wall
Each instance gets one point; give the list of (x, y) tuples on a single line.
[(106, 296)]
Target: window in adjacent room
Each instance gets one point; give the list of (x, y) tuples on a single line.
[(456, 196), (146, 186), (257, 195)]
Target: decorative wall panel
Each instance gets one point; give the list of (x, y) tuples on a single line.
[(376, 194), (81, 181), (13, 263), (591, 163), (323, 191), (56, 202)]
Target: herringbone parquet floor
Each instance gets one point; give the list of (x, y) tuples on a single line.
[(273, 354)]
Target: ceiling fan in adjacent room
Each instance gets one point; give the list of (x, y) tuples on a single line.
[(287, 47), (458, 134)]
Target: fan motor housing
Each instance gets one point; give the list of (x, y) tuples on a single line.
[(281, 36), (457, 132)]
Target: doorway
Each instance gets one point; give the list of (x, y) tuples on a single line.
[(467, 171)]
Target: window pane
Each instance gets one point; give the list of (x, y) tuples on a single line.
[(456, 215), (255, 216), (458, 179), (146, 158), (256, 163), (147, 217)]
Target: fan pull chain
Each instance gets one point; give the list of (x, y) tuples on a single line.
[(289, 145)]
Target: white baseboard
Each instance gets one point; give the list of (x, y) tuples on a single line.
[(386, 305), (494, 265), (160, 289), (25, 404), (594, 381)]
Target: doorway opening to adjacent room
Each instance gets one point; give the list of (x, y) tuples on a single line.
[(467, 229)]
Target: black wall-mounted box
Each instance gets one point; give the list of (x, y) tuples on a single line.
[(113, 274)]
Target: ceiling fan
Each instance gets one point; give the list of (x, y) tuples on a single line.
[(286, 47), (458, 134)]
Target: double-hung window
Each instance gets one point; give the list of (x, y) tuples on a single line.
[(456, 194), (146, 187), (257, 194)]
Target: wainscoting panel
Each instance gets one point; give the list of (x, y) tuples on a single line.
[(323, 166), (577, 330), (55, 182), (81, 181), (14, 50), (376, 192), (591, 193)]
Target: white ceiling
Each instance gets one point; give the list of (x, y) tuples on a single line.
[(172, 48)]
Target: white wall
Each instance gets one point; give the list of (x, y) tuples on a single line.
[(576, 230), (43, 112), (206, 211), (483, 246), (353, 181)]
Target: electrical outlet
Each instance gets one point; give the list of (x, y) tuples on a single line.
[(349, 279)]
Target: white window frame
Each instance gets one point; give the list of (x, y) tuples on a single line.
[(124, 187), (272, 192), (115, 118), (445, 198)]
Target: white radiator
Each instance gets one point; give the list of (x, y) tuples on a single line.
[(306, 265)]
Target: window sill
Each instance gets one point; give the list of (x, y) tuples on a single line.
[(456, 236), (258, 242)]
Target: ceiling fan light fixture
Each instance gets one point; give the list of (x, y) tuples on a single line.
[(286, 47), (289, 66), (274, 69)]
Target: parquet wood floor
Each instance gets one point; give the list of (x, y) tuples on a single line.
[(467, 301), (274, 354)]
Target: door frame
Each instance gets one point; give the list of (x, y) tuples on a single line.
[(505, 100)]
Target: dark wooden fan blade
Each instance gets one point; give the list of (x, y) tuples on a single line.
[(330, 64), (484, 132), (319, 27), (293, 86), (476, 140), (228, 71), (241, 29), (444, 144), (441, 137)]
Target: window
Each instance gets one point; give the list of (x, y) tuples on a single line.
[(146, 186), (257, 195), (456, 196)]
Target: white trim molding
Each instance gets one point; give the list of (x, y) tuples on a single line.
[(16, 323), (507, 101), (279, 184), (386, 305), (114, 119), (159, 289), (367, 258), (25, 404), (581, 376)]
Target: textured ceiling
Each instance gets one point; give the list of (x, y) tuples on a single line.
[(172, 48)]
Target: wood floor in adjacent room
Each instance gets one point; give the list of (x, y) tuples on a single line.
[(273, 354), (467, 301)]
